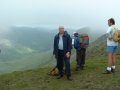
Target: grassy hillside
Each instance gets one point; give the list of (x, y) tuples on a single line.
[(98, 47), (91, 78)]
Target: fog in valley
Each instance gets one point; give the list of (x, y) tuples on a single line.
[(28, 27)]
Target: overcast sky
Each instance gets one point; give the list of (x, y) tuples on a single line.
[(74, 13)]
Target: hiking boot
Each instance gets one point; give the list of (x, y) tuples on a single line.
[(107, 72), (112, 70), (59, 77), (82, 67), (69, 78)]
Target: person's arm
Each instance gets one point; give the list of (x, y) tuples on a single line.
[(69, 43), (54, 46)]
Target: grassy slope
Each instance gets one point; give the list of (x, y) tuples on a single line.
[(89, 79)]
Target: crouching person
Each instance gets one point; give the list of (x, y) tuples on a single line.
[(62, 52)]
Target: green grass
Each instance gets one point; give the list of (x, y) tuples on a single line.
[(91, 78)]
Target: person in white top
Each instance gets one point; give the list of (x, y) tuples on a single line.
[(111, 47)]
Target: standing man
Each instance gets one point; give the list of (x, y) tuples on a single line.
[(81, 42), (62, 52), (111, 47)]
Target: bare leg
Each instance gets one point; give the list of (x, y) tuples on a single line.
[(113, 59), (110, 59), (109, 69)]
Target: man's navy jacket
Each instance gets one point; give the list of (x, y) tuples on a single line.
[(67, 43)]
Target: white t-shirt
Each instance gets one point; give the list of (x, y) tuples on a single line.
[(72, 41), (110, 33)]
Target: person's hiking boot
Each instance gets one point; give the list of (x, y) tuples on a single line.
[(69, 78), (112, 70), (82, 67), (59, 77), (107, 72), (64, 71)]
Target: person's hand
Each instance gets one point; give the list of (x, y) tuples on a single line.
[(68, 54)]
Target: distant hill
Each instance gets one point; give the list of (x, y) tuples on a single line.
[(25, 47), (94, 34), (98, 47), (34, 38), (24, 40)]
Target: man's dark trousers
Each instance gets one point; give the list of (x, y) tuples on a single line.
[(80, 57), (60, 63)]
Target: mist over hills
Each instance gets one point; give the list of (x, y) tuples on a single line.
[(25, 40), (93, 33), (24, 48), (30, 47)]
